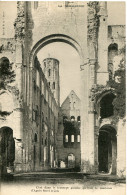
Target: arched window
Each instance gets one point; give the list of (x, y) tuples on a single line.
[(49, 72), (66, 138), (74, 105), (72, 138), (78, 118), (78, 138), (35, 137), (53, 85), (112, 52), (106, 106)]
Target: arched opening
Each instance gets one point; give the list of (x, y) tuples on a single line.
[(78, 119), (106, 106), (7, 146), (68, 52), (6, 102), (107, 150), (54, 66), (112, 52), (71, 161), (35, 137)]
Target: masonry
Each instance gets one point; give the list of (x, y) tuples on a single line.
[(32, 121)]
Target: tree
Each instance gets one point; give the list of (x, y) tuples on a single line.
[(7, 75)]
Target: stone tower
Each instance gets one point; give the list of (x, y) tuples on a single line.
[(51, 71)]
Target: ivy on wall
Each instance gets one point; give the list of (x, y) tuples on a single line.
[(119, 87), (116, 85)]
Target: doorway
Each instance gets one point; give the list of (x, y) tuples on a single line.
[(71, 161), (7, 146), (107, 150)]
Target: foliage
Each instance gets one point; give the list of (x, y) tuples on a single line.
[(119, 102), (97, 90), (4, 113), (117, 85), (7, 75)]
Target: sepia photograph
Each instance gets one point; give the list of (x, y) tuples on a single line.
[(62, 97)]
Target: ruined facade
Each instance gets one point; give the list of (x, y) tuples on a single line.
[(31, 119), (68, 136)]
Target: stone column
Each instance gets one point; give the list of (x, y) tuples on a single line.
[(84, 118), (92, 43)]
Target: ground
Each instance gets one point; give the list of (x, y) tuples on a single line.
[(50, 182)]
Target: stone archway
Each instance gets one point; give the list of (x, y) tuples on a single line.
[(37, 47), (107, 150), (52, 39), (7, 146), (42, 43), (106, 106)]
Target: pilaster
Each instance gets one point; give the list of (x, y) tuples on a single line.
[(18, 155)]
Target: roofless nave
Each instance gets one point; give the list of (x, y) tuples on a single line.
[(35, 132)]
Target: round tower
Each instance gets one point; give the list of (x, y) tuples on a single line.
[(51, 71)]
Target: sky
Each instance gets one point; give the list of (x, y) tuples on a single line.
[(116, 12), (69, 66), (68, 57)]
